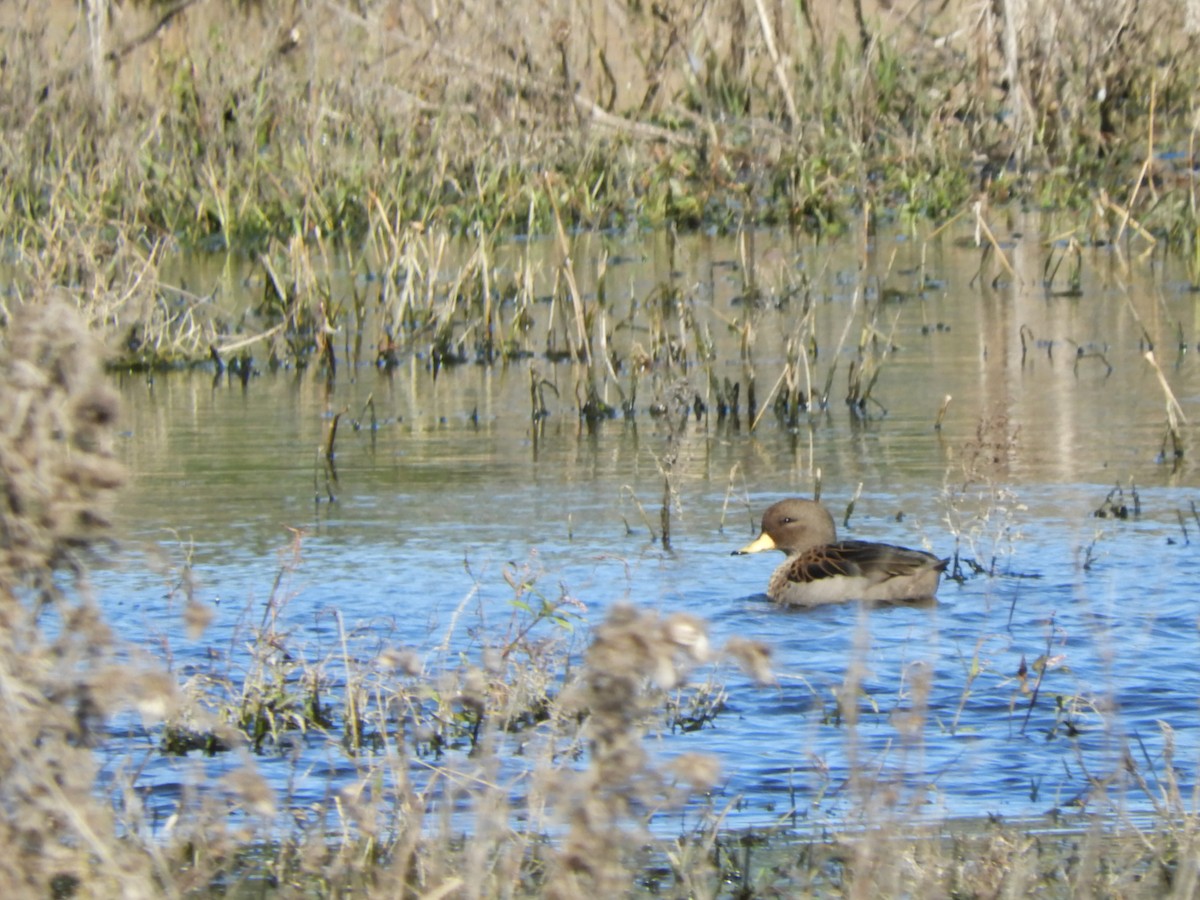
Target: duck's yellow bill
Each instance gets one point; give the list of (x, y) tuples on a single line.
[(760, 543)]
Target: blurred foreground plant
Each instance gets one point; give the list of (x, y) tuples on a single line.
[(59, 676)]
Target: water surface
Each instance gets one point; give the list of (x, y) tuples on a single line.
[(455, 482)]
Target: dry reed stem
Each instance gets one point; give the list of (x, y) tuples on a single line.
[(982, 228), (581, 345), (1175, 413), (777, 63)]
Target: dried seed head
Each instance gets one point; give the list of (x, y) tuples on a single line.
[(754, 658), (197, 617), (57, 469), (251, 788), (688, 633), (493, 660), (701, 771), (473, 692), (406, 662), (155, 695)]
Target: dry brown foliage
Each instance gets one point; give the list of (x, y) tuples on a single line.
[(58, 676)]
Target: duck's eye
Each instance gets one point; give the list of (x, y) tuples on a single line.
[(788, 520)]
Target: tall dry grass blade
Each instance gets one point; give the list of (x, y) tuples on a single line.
[(1175, 414), (580, 346), (783, 376), (1136, 187), (781, 76), (1174, 411)]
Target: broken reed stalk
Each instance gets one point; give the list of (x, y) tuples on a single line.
[(665, 513), (937, 425), (328, 463), (331, 435), (537, 396), (1054, 262), (1037, 684), (734, 472), (353, 715), (626, 490), (783, 376), (808, 388), (857, 395), (866, 396), (837, 352), (603, 353), (1175, 414), (1025, 330), (850, 506), (794, 400), (369, 407), (325, 332), (982, 229), (324, 470)]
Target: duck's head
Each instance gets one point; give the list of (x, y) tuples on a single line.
[(793, 526)]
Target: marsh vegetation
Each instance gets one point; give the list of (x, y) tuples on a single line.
[(425, 276)]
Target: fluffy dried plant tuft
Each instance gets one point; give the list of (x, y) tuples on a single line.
[(633, 653), (59, 675), (56, 456)]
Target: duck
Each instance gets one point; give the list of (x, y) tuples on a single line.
[(820, 569)]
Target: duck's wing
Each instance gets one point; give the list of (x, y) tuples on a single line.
[(860, 559)]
